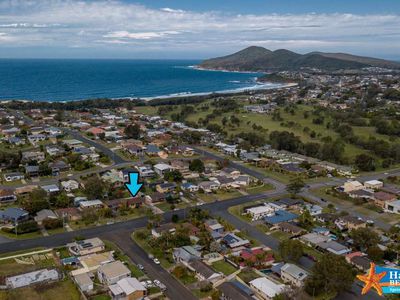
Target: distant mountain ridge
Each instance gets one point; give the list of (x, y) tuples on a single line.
[(256, 58)]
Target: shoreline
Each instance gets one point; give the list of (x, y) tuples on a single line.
[(257, 86)]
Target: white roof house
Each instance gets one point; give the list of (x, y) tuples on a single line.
[(293, 274), (373, 184), (26, 279), (350, 186), (90, 203), (162, 168), (266, 288), (259, 212), (393, 206), (126, 287)]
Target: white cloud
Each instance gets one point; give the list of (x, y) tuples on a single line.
[(62, 23), (138, 35)]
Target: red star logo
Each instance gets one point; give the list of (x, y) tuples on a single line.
[(372, 280)]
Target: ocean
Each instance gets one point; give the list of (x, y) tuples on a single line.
[(67, 80)]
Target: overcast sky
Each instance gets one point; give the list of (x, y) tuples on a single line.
[(195, 29)]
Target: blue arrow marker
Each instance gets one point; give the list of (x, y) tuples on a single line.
[(133, 185)]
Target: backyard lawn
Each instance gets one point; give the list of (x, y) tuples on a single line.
[(223, 267)]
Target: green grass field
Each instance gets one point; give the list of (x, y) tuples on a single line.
[(269, 125), (223, 267)]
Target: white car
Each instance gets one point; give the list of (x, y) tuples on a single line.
[(156, 261), (149, 283), (156, 282)]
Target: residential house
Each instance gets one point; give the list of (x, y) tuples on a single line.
[(213, 225), (334, 247), (127, 289), (313, 209), (265, 288), (32, 171), (13, 176), (158, 231), (391, 206), (259, 212), (290, 228), (13, 215), (58, 167), (204, 272), (231, 291), (162, 168), (112, 272), (50, 189), (156, 197), (84, 282), (185, 254), (350, 186), (35, 277), (152, 150), (359, 260), (287, 203), (293, 274), (91, 204), (380, 198), (373, 184), (85, 247), (209, 186), (146, 172), (33, 156), (189, 187), (280, 216), (54, 150), (69, 185), (134, 149), (350, 223), (7, 196), (166, 187), (234, 242), (44, 214), (253, 256), (69, 213)]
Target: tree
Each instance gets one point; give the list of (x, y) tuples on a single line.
[(94, 188), (295, 185), (132, 131), (52, 223), (330, 276), (155, 220), (364, 238), (174, 218), (62, 200), (375, 254), (37, 201), (196, 165), (173, 176), (306, 220), (365, 162), (291, 250)]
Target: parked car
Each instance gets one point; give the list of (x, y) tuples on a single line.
[(156, 261), (140, 267)]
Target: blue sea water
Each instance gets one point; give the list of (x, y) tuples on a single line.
[(65, 80)]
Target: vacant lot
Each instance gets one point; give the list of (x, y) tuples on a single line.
[(62, 290)]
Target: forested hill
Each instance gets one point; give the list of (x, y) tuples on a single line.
[(260, 59)]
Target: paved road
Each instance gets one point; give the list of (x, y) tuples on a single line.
[(175, 289), (107, 151), (278, 185)]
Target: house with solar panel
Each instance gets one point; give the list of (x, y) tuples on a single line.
[(86, 247)]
